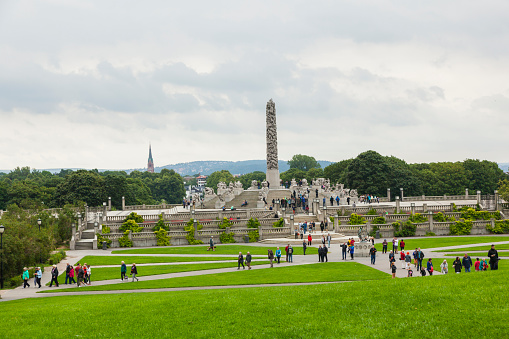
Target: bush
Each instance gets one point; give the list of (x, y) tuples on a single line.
[(279, 223), (439, 217), (100, 240), (130, 225), (460, 227), (134, 216), (227, 238), (190, 236), (124, 240), (500, 227), (356, 219), (373, 231), (191, 223), (106, 229), (472, 214), (55, 258), (430, 234), (379, 221), (253, 223), (160, 224), (254, 236), (224, 223), (372, 211), (162, 237), (417, 218), (406, 229)]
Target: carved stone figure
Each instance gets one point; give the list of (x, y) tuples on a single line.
[(265, 184), (221, 185), (304, 182), (294, 183), (238, 184), (209, 191), (353, 193), (260, 196)]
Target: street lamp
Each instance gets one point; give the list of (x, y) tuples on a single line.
[(39, 222), (2, 229)]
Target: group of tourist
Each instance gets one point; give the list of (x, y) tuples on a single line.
[(368, 199), (123, 272), (37, 277), (347, 247)]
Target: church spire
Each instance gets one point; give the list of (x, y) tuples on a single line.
[(150, 166)]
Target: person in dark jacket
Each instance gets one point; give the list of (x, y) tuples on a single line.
[(123, 271), (429, 267), (67, 270), (248, 260), (54, 276), (467, 263), (324, 253), (372, 252), (271, 257), (344, 247), (393, 269), (493, 255), (304, 246), (391, 258), (320, 253), (134, 272), (240, 261), (457, 265)]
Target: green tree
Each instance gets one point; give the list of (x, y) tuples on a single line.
[(219, 176), (247, 178), (168, 187), (303, 162), (368, 173), (82, 185), (292, 173), (503, 189), (483, 175), (116, 187), (336, 172)]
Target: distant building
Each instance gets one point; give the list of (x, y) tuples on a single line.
[(202, 180), (150, 166)]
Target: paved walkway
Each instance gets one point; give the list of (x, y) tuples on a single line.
[(382, 264)]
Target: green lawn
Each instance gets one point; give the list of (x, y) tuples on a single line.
[(220, 249), (430, 307), (287, 274), (412, 243), (97, 260), (107, 273), (477, 248)]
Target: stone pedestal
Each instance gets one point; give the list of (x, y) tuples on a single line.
[(273, 178), (361, 249), (260, 204)]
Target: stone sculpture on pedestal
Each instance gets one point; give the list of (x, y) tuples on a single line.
[(272, 156)]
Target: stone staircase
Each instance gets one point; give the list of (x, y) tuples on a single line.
[(278, 194), (250, 196), (87, 238)]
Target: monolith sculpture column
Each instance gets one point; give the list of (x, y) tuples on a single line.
[(272, 158)]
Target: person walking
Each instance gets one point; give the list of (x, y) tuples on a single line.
[(134, 272), (304, 246), (395, 245), (322, 226), (351, 251), (67, 270), (89, 275), (457, 265), (415, 254), (493, 255), (329, 238), (391, 258), (123, 271), (248, 260), (420, 258), (278, 255), (331, 201), (393, 269), (271, 257), (26, 276), (320, 253), (408, 260), (81, 274), (310, 239), (211, 244), (54, 276), (477, 264), (429, 266), (372, 252), (71, 276), (384, 246), (290, 253), (324, 253), (240, 261), (38, 276), (466, 262), (444, 267), (402, 245)]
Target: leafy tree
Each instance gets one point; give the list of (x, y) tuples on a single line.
[(247, 178), (292, 173), (303, 162), (483, 175), (82, 185), (219, 176), (369, 173), (138, 192), (336, 172), (503, 189), (168, 187), (314, 173), (116, 187)]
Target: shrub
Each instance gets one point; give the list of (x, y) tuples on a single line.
[(372, 211), (55, 258), (130, 225), (373, 231), (253, 236), (100, 240), (134, 216), (227, 238), (406, 229), (160, 224), (500, 227), (191, 223), (356, 219), (439, 217), (124, 240), (331, 219), (378, 221), (162, 237), (417, 218), (190, 236), (460, 227), (224, 223), (472, 214), (451, 218), (106, 229), (430, 234), (279, 223), (253, 223), (454, 207)]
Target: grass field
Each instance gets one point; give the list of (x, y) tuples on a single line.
[(107, 273), (412, 243), (477, 248), (97, 260), (430, 307), (221, 249), (287, 274)]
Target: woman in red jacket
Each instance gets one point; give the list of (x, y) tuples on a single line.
[(310, 238)]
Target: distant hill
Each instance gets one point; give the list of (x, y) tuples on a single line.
[(235, 167), (504, 166)]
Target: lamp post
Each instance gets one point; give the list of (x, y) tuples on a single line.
[(2, 229), (39, 222)]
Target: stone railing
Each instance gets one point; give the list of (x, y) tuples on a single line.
[(440, 197), (150, 207)]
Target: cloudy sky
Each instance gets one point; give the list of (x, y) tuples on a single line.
[(91, 83)]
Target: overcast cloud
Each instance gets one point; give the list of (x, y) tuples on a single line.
[(91, 83)]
